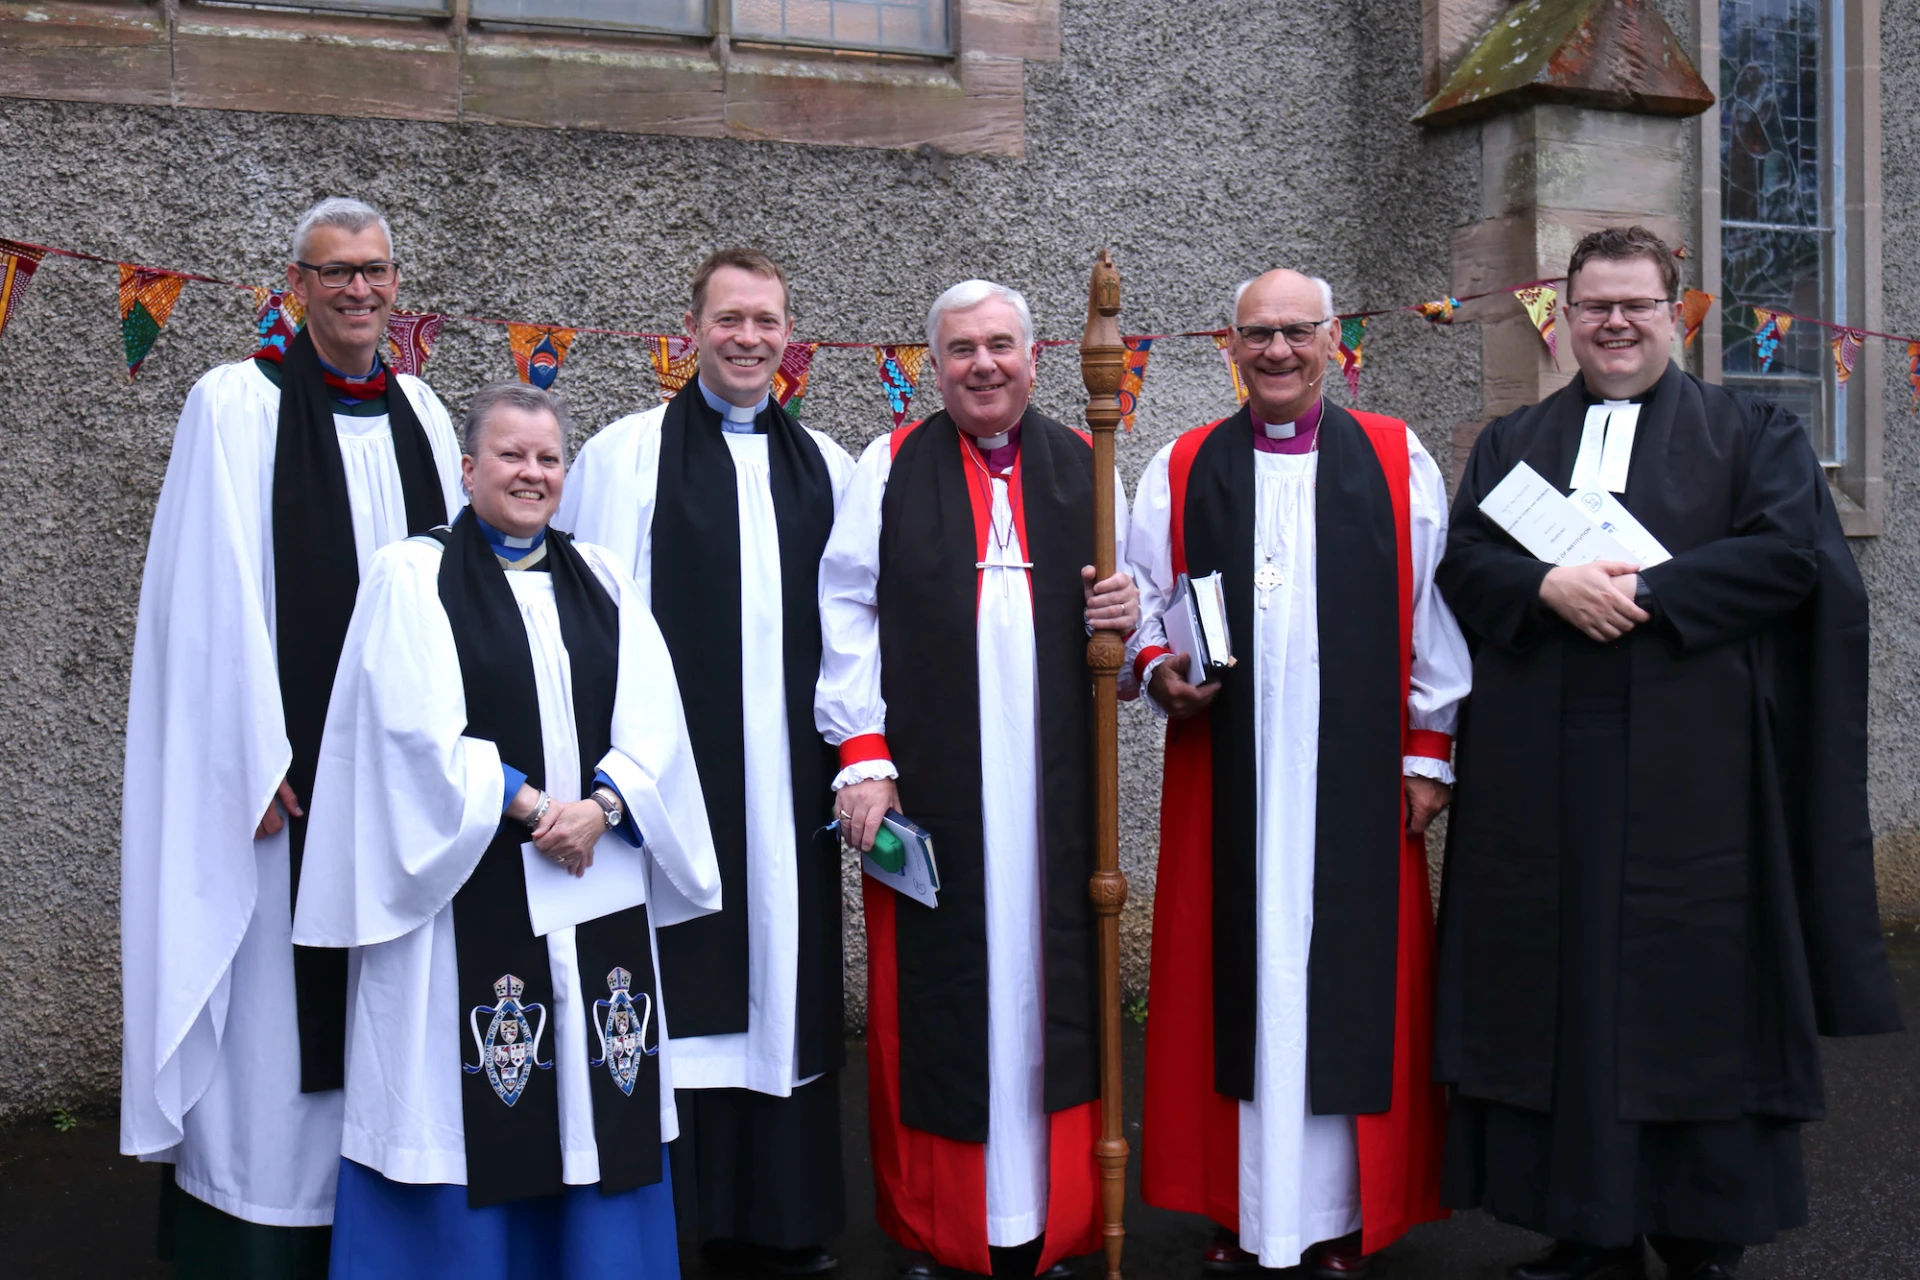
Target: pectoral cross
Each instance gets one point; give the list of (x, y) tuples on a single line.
[(1266, 578)]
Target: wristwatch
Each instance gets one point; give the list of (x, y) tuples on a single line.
[(609, 806)]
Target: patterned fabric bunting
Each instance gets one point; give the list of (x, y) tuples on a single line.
[(1846, 353), (410, 339), (1440, 310), (790, 380), (1913, 373), (18, 262), (277, 317), (538, 350), (1694, 305), (1138, 350), (1766, 341), (1233, 370), (1538, 300), (1353, 332), (900, 374), (675, 361), (147, 298)]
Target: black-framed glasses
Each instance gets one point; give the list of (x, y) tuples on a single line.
[(338, 275), (1259, 337), (1594, 311)]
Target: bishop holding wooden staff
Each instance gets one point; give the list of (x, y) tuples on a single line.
[(1287, 1087), (956, 598)]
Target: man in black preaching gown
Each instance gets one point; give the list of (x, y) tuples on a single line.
[(1659, 885)]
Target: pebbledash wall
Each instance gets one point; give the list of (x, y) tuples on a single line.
[(1202, 143)]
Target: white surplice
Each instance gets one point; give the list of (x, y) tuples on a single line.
[(1299, 1173), (609, 500), (849, 704), (210, 1075), (405, 805)]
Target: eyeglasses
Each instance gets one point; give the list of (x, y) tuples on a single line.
[(1259, 337), (338, 275), (1597, 312)]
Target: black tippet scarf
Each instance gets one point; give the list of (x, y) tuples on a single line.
[(696, 600), (506, 983), (316, 574), (1357, 831), (930, 674)]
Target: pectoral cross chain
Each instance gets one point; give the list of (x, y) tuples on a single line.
[(1266, 578)]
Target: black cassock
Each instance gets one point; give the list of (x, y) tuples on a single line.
[(1659, 883)]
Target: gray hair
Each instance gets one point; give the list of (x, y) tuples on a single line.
[(351, 216), (510, 395), (1233, 312), (971, 293)]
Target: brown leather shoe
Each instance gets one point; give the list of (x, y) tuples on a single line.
[(1336, 1259), (1223, 1255)]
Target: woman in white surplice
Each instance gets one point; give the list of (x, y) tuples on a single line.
[(419, 820)]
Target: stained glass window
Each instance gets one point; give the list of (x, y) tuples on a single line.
[(901, 26), (1777, 207)]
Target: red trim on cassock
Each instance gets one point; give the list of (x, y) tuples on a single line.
[(1190, 1144), (1152, 653), (930, 1193), (980, 498), (1429, 744), (864, 747)]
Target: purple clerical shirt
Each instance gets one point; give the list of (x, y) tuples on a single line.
[(1301, 441)]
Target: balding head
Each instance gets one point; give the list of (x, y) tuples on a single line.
[(1271, 312)]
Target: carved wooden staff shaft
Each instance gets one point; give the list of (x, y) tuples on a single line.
[(1103, 359)]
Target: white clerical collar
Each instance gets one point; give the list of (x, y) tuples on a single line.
[(987, 444), (733, 417), (1279, 430)]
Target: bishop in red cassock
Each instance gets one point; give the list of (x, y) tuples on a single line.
[(1288, 1085), (956, 595)]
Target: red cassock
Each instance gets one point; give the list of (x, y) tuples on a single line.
[(1190, 1144)]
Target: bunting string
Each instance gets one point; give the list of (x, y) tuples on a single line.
[(148, 295)]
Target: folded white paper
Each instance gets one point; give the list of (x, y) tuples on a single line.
[(558, 899), (1606, 511), (1548, 523)]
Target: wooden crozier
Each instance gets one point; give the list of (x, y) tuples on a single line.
[(1103, 359)]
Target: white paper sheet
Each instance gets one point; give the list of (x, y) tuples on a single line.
[(1607, 511), (1547, 522), (557, 899)]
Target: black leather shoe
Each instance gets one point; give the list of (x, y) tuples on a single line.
[(738, 1257), (920, 1266), (1570, 1260), (1058, 1271)]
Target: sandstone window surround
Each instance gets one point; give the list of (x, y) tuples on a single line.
[(755, 69), (1838, 220)]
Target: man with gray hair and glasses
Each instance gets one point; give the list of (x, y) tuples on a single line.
[(1287, 1084), (289, 470), (956, 596)]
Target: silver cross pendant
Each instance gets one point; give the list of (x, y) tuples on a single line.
[(1266, 578)]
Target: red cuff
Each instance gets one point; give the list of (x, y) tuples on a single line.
[(1150, 654), (1429, 744), (865, 747)]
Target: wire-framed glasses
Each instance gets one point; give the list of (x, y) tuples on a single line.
[(338, 275), (1594, 311), (1259, 337)]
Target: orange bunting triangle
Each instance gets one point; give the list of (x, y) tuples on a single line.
[(538, 350), (147, 298), (790, 380), (675, 361), (1233, 370), (1138, 350), (1694, 306), (18, 262)]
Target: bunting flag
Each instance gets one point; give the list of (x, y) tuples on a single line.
[(1233, 370), (538, 350), (277, 317), (675, 361), (1440, 310), (18, 262), (1766, 341), (1353, 331), (1538, 299), (900, 374), (1913, 373), (790, 379), (147, 297), (1847, 344), (410, 339), (1138, 349), (1694, 306)]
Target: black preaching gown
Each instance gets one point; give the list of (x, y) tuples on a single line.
[(1659, 882)]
